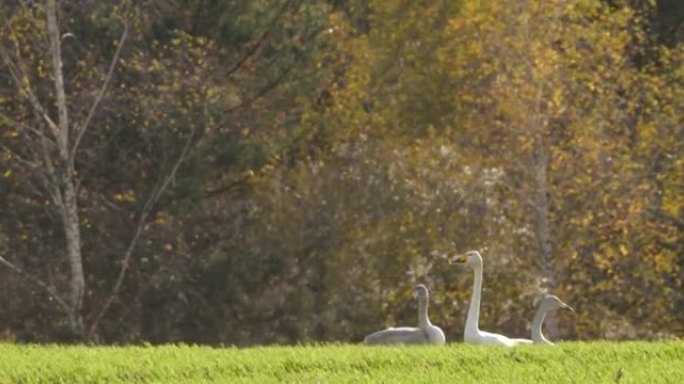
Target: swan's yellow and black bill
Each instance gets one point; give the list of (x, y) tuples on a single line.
[(567, 308), (459, 259)]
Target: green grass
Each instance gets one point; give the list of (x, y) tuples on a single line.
[(641, 362)]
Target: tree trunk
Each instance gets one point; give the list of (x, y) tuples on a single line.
[(541, 158), (541, 211), (72, 232), (69, 203)]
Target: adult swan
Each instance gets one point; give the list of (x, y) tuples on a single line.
[(472, 333), (426, 333)]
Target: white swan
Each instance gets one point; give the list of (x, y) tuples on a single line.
[(472, 333), (547, 304), (426, 333)]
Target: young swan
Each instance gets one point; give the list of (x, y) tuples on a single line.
[(426, 333), (472, 333), (547, 304)]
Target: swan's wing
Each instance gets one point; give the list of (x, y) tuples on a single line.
[(489, 338), (405, 335), (435, 335), (522, 341)]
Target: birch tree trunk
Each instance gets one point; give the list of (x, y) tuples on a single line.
[(54, 147), (66, 177)]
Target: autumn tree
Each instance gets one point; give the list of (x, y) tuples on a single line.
[(544, 101), (290, 169), (148, 120), (559, 102)]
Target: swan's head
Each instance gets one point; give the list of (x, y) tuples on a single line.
[(470, 258), (551, 303), (420, 292)]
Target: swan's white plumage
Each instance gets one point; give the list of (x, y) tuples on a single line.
[(488, 338), (406, 335), (472, 333), (425, 333)]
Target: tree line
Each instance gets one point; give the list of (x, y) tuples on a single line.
[(275, 171)]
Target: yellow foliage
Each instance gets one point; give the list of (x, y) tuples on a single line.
[(125, 197)]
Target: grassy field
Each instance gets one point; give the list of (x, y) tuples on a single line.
[(638, 362)]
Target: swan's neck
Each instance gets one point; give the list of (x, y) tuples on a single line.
[(474, 310), (537, 322), (423, 320)]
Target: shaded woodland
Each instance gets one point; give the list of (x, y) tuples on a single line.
[(276, 171)]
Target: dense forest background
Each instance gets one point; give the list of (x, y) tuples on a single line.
[(276, 171)]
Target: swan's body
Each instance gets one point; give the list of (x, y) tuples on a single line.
[(488, 338), (392, 335), (425, 333), (547, 304), (472, 333)]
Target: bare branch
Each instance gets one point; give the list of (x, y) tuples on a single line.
[(22, 125), (196, 17), (20, 159), (676, 221), (20, 77), (50, 182), (25, 90), (50, 290), (255, 47), (81, 130), (263, 91), (33, 166), (147, 208), (243, 178)]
